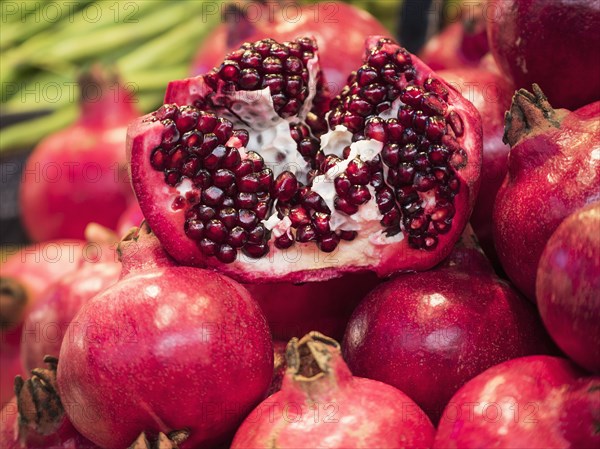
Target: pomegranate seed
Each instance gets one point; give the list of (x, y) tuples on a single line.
[(226, 254), (261, 210), (329, 242), (194, 229), (246, 200), (284, 241), (435, 128), (285, 186), (223, 130), (299, 216), (374, 93), (358, 172), (366, 75), (354, 123), (248, 183), (438, 155), (247, 219), (391, 154), (419, 121), (375, 129), (228, 216), (213, 196), (308, 147), (256, 159), (359, 195), (391, 218), (167, 111), (412, 95), (394, 129), (389, 74), (265, 180), (431, 104), (237, 237), (208, 247), (251, 58), (436, 86), (172, 177), (257, 235), (385, 200), (243, 168), (256, 251), (456, 123), (294, 65), (329, 162), (343, 205), (293, 86), (360, 106), (170, 134), (216, 231), (206, 122), (306, 234), (272, 64), (320, 223), (342, 184), (458, 159), (249, 79), (406, 194), (188, 116), (405, 116), (314, 201), (158, 159), (348, 235)]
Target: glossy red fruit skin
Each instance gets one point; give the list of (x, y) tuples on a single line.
[(491, 94), (567, 286), (551, 173), (199, 347), (310, 412), (34, 268), (293, 310), (548, 42), (78, 175), (429, 333), (66, 437), (45, 326), (534, 402), (340, 45)]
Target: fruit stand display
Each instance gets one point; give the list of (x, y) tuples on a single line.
[(263, 224)]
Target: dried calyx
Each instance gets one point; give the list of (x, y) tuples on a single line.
[(38, 403), (171, 440), (259, 159)]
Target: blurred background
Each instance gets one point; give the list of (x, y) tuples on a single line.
[(47, 46)]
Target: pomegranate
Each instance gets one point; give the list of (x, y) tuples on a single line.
[(25, 274), (230, 176), (292, 310), (279, 366), (491, 94), (548, 42), (429, 333), (567, 286), (35, 418), (165, 349), (132, 217), (45, 325), (460, 44), (321, 404), (78, 175), (553, 169), (340, 45), (536, 402)]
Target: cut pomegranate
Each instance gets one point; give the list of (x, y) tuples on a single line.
[(248, 186), (321, 404)]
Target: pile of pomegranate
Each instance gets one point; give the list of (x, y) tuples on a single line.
[(395, 257)]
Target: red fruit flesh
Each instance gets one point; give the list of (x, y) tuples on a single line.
[(429, 333), (45, 326), (567, 286), (534, 402), (35, 418), (340, 45), (460, 45), (293, 310), (548, 42), (491, 94), (319, 399), (248, 189), (553, 169), (197, 347), (78, 175)]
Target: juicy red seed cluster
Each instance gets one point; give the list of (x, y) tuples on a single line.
[(421, 151), (307, 144), (308, 214), (232, 194), (266, 63)]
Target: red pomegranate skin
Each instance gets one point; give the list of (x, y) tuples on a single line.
[(79, 174), (340, 45), (10, 362), (567, 286), (552, 172), (165, 349), (293, 310), (548, 42), (45, 326), (65, 437), (533, 402), (429, 333), (334, 409), (491, 94)]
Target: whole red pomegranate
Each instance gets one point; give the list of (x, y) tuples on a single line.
[(429, 333), (491, 94), (45, 326), (166, 349), (25, 274), (567, 286), (548, 42), (35, 418), (553, 170), (321, 404), (230, 176), (340, 45), (460, 44), (536, 402), (293, 310), (78, 175)]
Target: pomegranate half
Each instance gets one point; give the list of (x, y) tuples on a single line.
[(250, 169)]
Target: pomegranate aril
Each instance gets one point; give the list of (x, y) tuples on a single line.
[(243, 168), (262, 209), (247, 219), (308, 147), (237, 237), (306, 234), (412, 96), (328, 243), (285, 186), (419, 121), (257, 234), (374, 93), (345, 206), (248, 183), (342, 184), (228, 216), (391, 218), (456, 123), (206, 122), (385, 200), (158, 159), (226, 254), (167, 111), (329, 162), (366, 75), (172, 177), (320, 223), (358, 172), (249, 79), (359, 106), (391, 154), (223, 178), (208, 247), (246, 200), (203, 179), (312, 200), (436, 86), (394, 130), (209, 143), (194, 229), (190, 167), (187, 119), (274, 82), (389, 74), (284, 241), (438, 155), (375, 129), (216, 231), (170, 134), (405, 116), (348, 235), (256, 251), (192, 140), (213, 196), (431, 104), (206, 213), (256, 160), (299, 216), (406, 194), (458, 159), (223, 130), (353, 122)]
